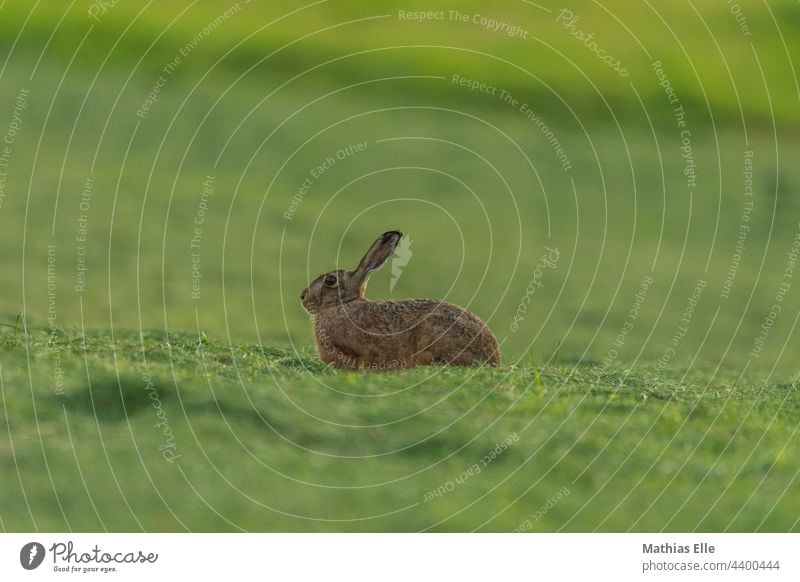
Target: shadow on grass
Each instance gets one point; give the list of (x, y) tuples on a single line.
[(110, 399)]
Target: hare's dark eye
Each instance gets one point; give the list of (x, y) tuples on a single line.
[(330, 280)]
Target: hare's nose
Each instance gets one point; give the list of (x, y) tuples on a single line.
[(303, 294)]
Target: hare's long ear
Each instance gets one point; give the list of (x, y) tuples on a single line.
[(378, 254)]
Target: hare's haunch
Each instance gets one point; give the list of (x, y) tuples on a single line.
[(354, 332)]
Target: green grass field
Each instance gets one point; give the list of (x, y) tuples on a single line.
[(155, 241), (267, 439)]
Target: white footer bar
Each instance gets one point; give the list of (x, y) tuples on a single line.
[(400, 557)]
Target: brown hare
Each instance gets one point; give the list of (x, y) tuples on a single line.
[(354, 332)]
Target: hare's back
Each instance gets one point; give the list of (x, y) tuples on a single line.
[(414, 311), (422, 317), (448, 332)]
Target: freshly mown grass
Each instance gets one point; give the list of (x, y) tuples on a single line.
[(265, 438)]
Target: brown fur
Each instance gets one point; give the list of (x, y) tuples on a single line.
[(354, 332)]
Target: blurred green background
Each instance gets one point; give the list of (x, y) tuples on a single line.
[(275, 89), (146, 101)]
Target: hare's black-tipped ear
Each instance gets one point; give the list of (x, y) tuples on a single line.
[(379, 252)]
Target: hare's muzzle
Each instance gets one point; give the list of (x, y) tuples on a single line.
[(305, 299)]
